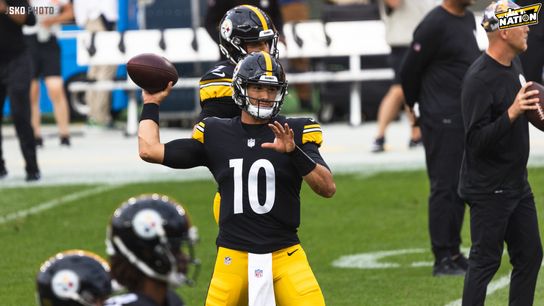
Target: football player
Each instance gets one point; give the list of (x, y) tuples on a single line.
[(243, 29), (73, 278), (259, 161), (144, 241)]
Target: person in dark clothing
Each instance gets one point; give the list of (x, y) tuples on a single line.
[(493, 177), (532, 59), (443, 48), (259, 160), (73, 278), (217, 8), (150, 243), (15, 79), (235, 41)]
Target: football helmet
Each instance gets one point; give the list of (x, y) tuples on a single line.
[(150, 231), (261, 69), (73, 278), (243, 24)]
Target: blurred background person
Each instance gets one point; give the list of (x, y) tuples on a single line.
[(144, 240), (44, 49), (295, 11), (443, 47), (73, 278), (532, 59), (15, 78), (96, 16), (401, 18)]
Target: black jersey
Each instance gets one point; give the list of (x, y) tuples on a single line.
[(137, 299), (443, 47), (216, 92), (11, 35), (260, 202), (496, 151)]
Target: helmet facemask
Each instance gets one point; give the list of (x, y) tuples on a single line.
[(256, 109), (261, 70)]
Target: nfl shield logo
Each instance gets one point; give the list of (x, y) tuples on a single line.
[(258, 273), (228, 260), (251, 142)]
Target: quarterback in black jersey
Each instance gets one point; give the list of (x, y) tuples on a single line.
[(243, 29), (259, 161)]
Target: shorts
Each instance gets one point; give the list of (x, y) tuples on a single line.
[(45, 56), (395, 61)]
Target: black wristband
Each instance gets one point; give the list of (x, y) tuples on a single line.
[(150, 111), (304, 163)]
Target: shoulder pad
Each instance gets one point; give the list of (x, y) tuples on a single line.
[(198, 131), (216, 83), (311, 132)]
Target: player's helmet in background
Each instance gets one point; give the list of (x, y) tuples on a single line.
[(150, 231), (243, 24), (259, 68), (73, 278)]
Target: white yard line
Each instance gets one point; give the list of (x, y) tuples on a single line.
[(54, 203), (491, 288)]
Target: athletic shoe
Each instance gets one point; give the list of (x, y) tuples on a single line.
[(33, 176), (378, 145), (446, 267), (65, 141)]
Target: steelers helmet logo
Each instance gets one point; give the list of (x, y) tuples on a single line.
[(147, 223), (226, 28), (65, 284)]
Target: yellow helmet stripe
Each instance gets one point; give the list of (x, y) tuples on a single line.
[(259, 14), (268, 63)]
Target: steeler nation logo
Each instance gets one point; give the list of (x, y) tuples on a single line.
[(527, 15)]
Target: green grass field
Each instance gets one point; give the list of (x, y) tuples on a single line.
[(381, 212)]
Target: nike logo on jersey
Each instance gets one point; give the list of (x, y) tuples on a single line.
[(291, 253), (221, 75)]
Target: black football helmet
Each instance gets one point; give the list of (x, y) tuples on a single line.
[(243, 24), (150, 231), (73, 278), (262, 69)]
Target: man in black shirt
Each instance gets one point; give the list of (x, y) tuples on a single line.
[(259, 161), (532, 59), (15, 78), (493, 177), (443, 48)]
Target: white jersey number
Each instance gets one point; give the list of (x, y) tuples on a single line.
[(252, 185)]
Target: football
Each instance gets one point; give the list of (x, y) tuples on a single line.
[(151, 72), (536, 117)]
